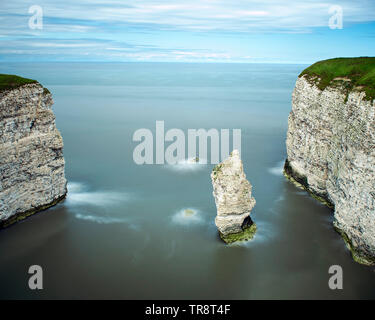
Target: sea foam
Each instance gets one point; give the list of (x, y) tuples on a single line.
[(83, 203), (187, 165), (78, 194), (278, 169), (187, 216)]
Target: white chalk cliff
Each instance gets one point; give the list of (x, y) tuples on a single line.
[(31, 153), (331, 153), (234, 202)]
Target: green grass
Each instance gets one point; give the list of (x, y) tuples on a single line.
[(8, 81), (360, 71)]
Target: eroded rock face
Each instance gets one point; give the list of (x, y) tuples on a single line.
[(31, 153), (234, 202), (331, 153)]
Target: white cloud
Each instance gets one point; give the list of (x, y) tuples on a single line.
[(224, 15), (97, 27), (61, 45)]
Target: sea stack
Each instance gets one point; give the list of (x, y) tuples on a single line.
[(234, 202), (31, 150), (331, 146)]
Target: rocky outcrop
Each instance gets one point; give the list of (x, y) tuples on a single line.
[(31, 152), (232, 193), (331, 153)]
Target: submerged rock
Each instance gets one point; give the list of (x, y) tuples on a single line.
[(232, 193), (31, 150)]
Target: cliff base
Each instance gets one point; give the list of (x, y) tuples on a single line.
[(302, 182), (23, 215), (247, 233)]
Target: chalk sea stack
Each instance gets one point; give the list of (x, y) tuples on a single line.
[(331, 146), (31, 150), (234, 202)]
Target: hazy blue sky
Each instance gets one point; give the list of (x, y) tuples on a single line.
[(186, 30)]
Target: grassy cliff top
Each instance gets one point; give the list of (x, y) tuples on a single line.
[(356, 73), (8, 81)]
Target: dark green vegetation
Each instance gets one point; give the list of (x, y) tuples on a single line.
[(354, 73), (8, 81)]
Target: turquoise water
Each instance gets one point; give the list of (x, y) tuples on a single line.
[(122, 232)]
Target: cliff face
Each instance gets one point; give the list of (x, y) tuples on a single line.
[(232, 193), (31, 158), (331, 153)]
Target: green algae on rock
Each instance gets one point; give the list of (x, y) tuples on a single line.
[(246, 234), (357, 255), (189, 212), (23, 215)]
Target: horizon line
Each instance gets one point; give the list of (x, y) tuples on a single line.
[(134, 61)]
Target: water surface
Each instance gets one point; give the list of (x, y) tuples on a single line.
[(123, 233)]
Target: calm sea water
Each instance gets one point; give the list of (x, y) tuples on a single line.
[(122, 233)]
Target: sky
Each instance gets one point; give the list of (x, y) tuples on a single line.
[(250, 31)]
